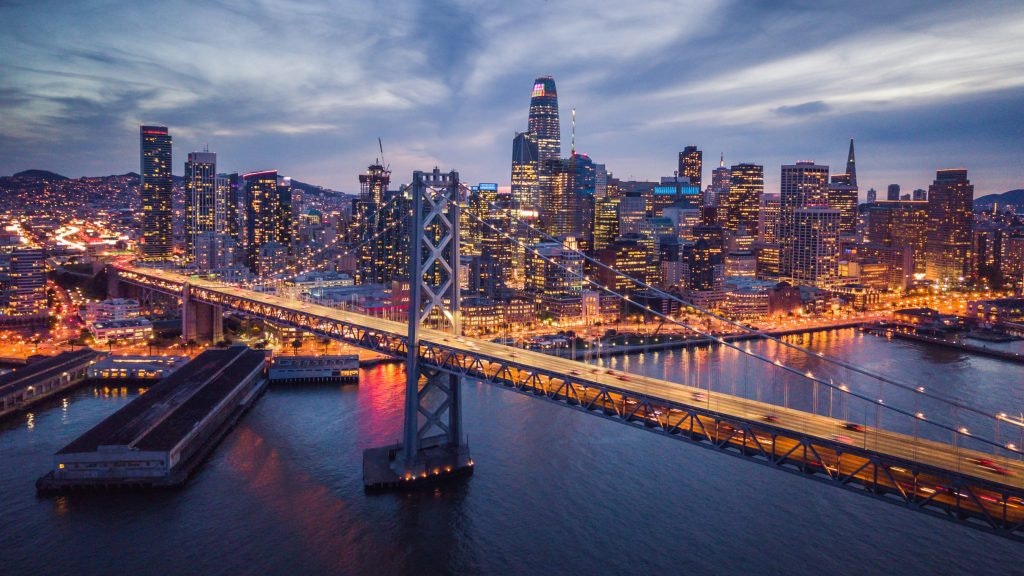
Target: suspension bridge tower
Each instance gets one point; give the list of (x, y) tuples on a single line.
[(433, 447)]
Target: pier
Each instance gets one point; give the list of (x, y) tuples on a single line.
[(41, 379), (158, 439)]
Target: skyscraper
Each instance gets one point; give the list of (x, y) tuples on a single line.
[(200, 198), (544, 125), (262, 213), (374, 183), (525, 168), (804, 185), (544, 122), (744, 198), (814, 248), (721, 179), (691, 164), (157, 188), (950, 217), (843, 197)]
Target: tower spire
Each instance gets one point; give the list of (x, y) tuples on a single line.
[(721, 159), (851, 165)]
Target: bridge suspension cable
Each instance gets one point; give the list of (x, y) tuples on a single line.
[(841, 388), (281, 274), (920, 390)]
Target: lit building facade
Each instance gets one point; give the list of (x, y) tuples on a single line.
[(200, 198), (157, 188), (691, 164), (950, 218), (743, 201)]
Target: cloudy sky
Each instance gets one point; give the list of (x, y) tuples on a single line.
[(307, 87)]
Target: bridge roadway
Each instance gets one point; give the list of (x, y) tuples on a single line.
[(980, 489)]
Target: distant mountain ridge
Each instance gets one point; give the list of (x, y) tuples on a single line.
[(1015, 197), (39, 175)]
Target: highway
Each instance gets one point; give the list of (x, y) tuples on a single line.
[(671, 400)]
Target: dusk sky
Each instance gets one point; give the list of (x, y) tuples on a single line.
[(307, 87)]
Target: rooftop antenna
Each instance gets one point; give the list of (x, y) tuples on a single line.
[(573, 131)]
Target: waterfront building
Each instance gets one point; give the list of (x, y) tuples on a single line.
[(111, 309), (126, 330)]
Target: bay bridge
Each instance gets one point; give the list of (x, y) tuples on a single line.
[(976, 478)]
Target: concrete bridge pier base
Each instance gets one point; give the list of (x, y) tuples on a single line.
[(201, 322)]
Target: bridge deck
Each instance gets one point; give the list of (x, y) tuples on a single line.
[(922, 472)]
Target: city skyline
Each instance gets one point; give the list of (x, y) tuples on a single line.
[(453, 92)]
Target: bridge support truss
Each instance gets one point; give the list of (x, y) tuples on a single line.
[(432, 445)]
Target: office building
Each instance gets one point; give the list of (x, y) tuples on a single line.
[(950, 218), (743, 201), (893, 193), (691, 164)]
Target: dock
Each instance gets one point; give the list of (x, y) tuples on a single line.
[(905, 333), (314, 369), (39, 380), (161, 437)]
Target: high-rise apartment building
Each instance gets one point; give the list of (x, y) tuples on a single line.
[(804, 185), (814, 248), (263, 213), (200, 198), (25, 297), (691, 164), (950, 218), (157, 188)]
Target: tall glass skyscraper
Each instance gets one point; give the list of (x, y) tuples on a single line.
[(544, 122), (200, 198), (546, 130), (157, 188)]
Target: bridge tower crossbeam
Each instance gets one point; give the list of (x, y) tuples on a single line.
[(433, 447)]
